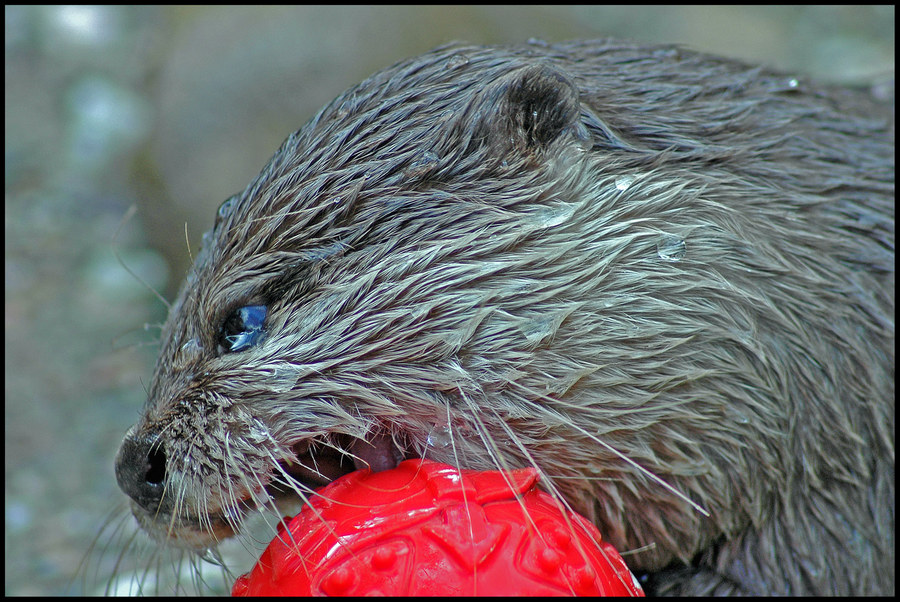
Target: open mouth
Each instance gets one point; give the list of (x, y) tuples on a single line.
[(318, 463)]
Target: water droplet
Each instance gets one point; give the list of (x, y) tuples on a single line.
[(190, 351), (555, 215), (624, 182), (583, 139), (671, 248), (440, 437), (284, 377), (258, 432), (538, 329), (423, 164), (456, 61), (538, 42), (225, 209), (666, 53)]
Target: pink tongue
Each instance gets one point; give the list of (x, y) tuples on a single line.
[(377, 453)]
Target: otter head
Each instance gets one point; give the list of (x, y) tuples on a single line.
[(374, 295)]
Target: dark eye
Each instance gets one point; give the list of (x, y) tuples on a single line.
[(243, 328)]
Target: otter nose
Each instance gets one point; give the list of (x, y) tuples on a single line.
[(141, 469)]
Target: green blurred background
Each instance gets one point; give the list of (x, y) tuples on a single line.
[(169, 110)]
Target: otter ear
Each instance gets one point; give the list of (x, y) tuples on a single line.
[(526, 110)]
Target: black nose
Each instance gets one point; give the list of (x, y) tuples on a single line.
[(141, 469)]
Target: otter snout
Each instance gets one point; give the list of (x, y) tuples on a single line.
[(141, 469)]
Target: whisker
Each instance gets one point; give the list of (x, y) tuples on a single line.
[(573, 424)]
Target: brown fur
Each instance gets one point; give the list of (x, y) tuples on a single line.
[(656, 275)]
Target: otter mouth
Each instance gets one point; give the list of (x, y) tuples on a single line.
[(317, 463)]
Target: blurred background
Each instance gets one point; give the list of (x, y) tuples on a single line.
[(125, 129)]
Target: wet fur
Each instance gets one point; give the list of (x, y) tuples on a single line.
[(476, 242)]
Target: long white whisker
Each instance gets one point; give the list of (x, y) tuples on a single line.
[(572, 424)]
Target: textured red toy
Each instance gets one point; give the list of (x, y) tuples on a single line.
[(425, 528)]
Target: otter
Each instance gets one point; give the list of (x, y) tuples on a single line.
[(664, 279)]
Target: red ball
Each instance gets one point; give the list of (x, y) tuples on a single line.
[(428, 529)]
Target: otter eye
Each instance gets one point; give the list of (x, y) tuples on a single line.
[(243, 328)]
